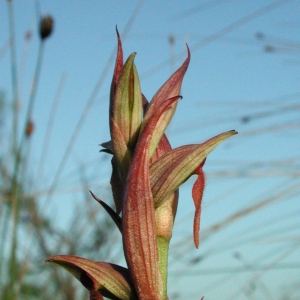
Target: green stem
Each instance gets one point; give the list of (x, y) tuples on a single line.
[(163, 251), (35, 82), (13, 58), (18, 158), (12, 263)]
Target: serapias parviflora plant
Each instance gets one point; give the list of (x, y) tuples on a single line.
[(146, 176)]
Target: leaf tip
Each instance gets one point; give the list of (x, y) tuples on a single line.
[(189, 52)]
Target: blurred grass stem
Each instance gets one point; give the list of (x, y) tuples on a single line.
[(15, 180), (14, 76)]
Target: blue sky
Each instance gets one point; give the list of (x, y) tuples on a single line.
[(244, 75)]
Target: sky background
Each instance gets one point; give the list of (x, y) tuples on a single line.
[(244, 75)]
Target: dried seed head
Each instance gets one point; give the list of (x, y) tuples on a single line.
[(46, 27)]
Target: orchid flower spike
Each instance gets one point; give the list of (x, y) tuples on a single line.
[(145, 180)]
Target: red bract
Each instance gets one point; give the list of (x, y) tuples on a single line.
[(176, 166), (169, 89), (115, 79), (139, 229), (146, 176), (110, 280)]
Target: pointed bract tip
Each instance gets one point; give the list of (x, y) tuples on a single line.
[(187, 60), (95, 197), (118, 34), (115, 217), (188, 50)]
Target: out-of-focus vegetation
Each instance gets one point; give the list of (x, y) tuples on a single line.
[(27, 235)]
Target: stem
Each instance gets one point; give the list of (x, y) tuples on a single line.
[(14, 209), (13, 59), (15, 201), (35, 82), (163, 251)]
